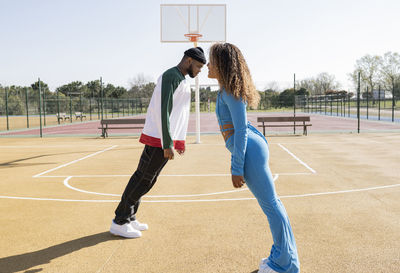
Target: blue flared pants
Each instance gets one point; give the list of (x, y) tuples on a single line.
[(283, 256)]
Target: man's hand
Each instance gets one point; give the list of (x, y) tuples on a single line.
[(237, 181), (169, 153), (180, 152)]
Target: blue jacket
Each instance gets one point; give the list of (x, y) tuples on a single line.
[(232, 119)]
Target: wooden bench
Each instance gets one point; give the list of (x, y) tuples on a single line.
[(105, 122), (62, 116), (289, 122), (79, 115)]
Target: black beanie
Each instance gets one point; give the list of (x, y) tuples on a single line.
[(196, 53)]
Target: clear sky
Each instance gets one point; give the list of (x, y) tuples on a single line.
[(69, 40)]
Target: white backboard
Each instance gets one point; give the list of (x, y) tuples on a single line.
[(176, 20)]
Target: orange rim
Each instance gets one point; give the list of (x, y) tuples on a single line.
[(193, 37)]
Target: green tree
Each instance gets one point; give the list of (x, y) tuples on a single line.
[(390, 70), (11, 95), (118, 92), (286, 98), (92, 89), (142, 91), (319, 85), (302, 92), (15, 105), (108, 90), (2, 102), (43, 86), (73, 88), (369, 67), (269, 98)]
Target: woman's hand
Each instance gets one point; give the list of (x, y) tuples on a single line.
[(237, 181)]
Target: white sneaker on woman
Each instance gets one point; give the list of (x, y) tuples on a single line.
[(264, 267), (139, 226), (125, 230)]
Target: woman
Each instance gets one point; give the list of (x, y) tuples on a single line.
[(249, 149)]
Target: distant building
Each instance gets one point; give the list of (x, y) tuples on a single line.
[(384, 94)]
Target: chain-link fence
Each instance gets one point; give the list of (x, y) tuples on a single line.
[(29, 110), (24, 111), (385, 109)]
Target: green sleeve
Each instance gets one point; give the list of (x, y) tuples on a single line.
[(168, 86)]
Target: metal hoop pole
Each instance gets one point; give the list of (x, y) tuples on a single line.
[(40, 107), (197, 104)]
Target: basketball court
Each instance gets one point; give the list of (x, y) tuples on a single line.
[(58, 197), (58, 193)]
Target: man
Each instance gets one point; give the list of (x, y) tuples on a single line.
[(164, 130)]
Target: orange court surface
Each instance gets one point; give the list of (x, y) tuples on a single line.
[(58, 196)]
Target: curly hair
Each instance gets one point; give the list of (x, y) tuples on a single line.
[(233, 72)]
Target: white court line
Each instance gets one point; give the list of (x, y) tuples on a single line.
[(57, 199), (156, 196), (60, 131), (72, 162), (294, 173), (86, 176), (60, 146), (183, 175), (338, 192), (203, 200), (198, 200), (295, 157), (322, 142), (112, 254), (195, 195), (128, 175), (205, 144), (89, 192), (167, 175)]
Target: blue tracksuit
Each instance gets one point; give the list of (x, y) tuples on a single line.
[(249, 159)]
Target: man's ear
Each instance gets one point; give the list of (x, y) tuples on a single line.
[(189, 61)]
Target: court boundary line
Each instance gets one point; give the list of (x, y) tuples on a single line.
[(186, 175), (276, 176), (74, 161), (109, 258), (202, 200), (161, 175), (67, 178), (298, 159)]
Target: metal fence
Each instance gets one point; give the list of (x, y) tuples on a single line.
[(27, 111), (53, 111), (344, 105), (33, 111)]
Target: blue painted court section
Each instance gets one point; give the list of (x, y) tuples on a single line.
[(370, 117)]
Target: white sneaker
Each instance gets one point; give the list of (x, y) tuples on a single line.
[(125, 230), (264, 267), (139, 226)]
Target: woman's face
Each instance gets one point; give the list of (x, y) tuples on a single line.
[(212, 73)]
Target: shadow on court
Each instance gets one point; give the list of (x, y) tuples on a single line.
[(44, 256), (18, 162)]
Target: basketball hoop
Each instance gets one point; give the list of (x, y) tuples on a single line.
[(193, 37), (182, 23)]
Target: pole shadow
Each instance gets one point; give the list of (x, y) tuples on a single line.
[(36, 258), (18, 162)]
